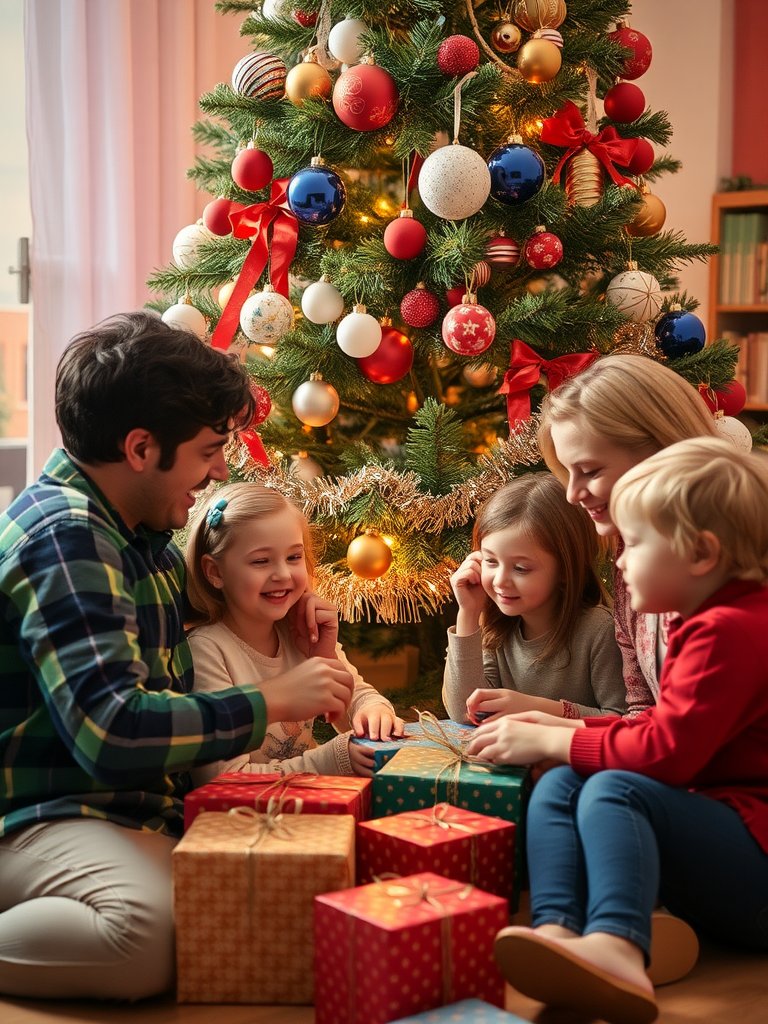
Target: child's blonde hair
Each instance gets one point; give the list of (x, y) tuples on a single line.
[(630, 401), (703, 484), (535, 503), (212, 535)]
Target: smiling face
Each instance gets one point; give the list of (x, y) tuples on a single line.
[(262, 572), (521, 578), (593, 464)]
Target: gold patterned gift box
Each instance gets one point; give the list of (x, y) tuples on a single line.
[(449, 841), (402, 946), (244, 885), (300, 793), (421, 777)]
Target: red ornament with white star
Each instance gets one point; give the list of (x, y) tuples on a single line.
[(638, 62), (543, 250), (262, 404), (469, 328)]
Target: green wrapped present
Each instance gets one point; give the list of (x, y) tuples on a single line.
[(420, 777)]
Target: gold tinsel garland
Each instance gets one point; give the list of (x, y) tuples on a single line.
[(400, 595)]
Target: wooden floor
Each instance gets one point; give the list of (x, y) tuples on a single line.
[(724, 988)]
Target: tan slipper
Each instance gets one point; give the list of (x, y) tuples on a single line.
[(547, 971), (674, 948)]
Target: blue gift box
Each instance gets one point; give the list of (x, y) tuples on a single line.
[(468, 1011), (385, 750)]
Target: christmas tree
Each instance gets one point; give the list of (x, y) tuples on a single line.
[(419, 219)]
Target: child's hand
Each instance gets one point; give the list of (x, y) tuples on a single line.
[(510, 741), (469, 593), (318, 686), (489, 704), (378, 722), (361, 759), (315, 624)]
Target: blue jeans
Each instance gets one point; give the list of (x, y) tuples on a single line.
[(603, 850)]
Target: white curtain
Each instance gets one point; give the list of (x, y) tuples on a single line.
[(112, 92)]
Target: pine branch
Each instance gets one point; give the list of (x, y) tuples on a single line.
[(435, 448), (714, 365)]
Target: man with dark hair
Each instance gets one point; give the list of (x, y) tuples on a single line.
[(98, 722)]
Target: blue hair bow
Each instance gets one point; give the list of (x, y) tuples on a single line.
[(215, 513)]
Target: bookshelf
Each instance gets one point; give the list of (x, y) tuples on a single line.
[(738, 286)]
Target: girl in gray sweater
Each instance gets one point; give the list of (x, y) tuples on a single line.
[(531, 632)]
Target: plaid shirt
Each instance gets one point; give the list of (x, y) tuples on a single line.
[(97, 717)]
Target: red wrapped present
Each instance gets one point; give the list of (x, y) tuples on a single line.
[(402, 946), (298, 792), (450, 841)]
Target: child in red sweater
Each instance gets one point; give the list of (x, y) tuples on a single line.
[(672, 804)]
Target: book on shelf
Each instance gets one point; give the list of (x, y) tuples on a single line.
[(744, 259), (757, 367), (740, 341)]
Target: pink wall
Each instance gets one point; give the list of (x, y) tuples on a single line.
[(750, 87)]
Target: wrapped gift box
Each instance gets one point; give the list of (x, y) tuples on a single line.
[(243, 903), (421, 777), (450, 841), (300, 792), (404, 946), (468, 1011), (385, 750)]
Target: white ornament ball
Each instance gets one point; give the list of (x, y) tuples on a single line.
[(735, 431), (636, 294), (185, 317), (322, 302), (304, 467), (344, 41), (358, 334), (315, 402), (454, 182), (186, 242), (274, 9), (266, 317)]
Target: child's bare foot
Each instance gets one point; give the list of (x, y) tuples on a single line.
[(600, 975)]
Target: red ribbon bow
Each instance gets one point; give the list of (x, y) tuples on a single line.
[(525, 369), (255, 222), (566, 128)]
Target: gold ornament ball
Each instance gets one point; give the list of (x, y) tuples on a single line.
[(506, 37), (368, 556), (533, 14), (649, 220), (307, 81), (225, 292), (539, 61), (315, 402), (479, 376)]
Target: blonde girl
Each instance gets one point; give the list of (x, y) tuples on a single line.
[(255, 617), (531, 633), (594, 428)]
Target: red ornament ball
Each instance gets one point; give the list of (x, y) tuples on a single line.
[(502, 251), (638, 62), (305, 18), (481, 274), (469, 329), (543, 250), (420, 307), (262, 406), (365, 97), (405, 238), (624, 102), (458, 55), (391, 361), (252, 169), (730, 399), (642, 159), (216, 215), (455, 296)]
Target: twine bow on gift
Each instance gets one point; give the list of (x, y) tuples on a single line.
[(526, 367), (434, 731), (566, 128), (281, 783), (255, 222), (271, 823)]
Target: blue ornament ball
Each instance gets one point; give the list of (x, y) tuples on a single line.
[(316, 194), (679, 333), (517, 173)]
